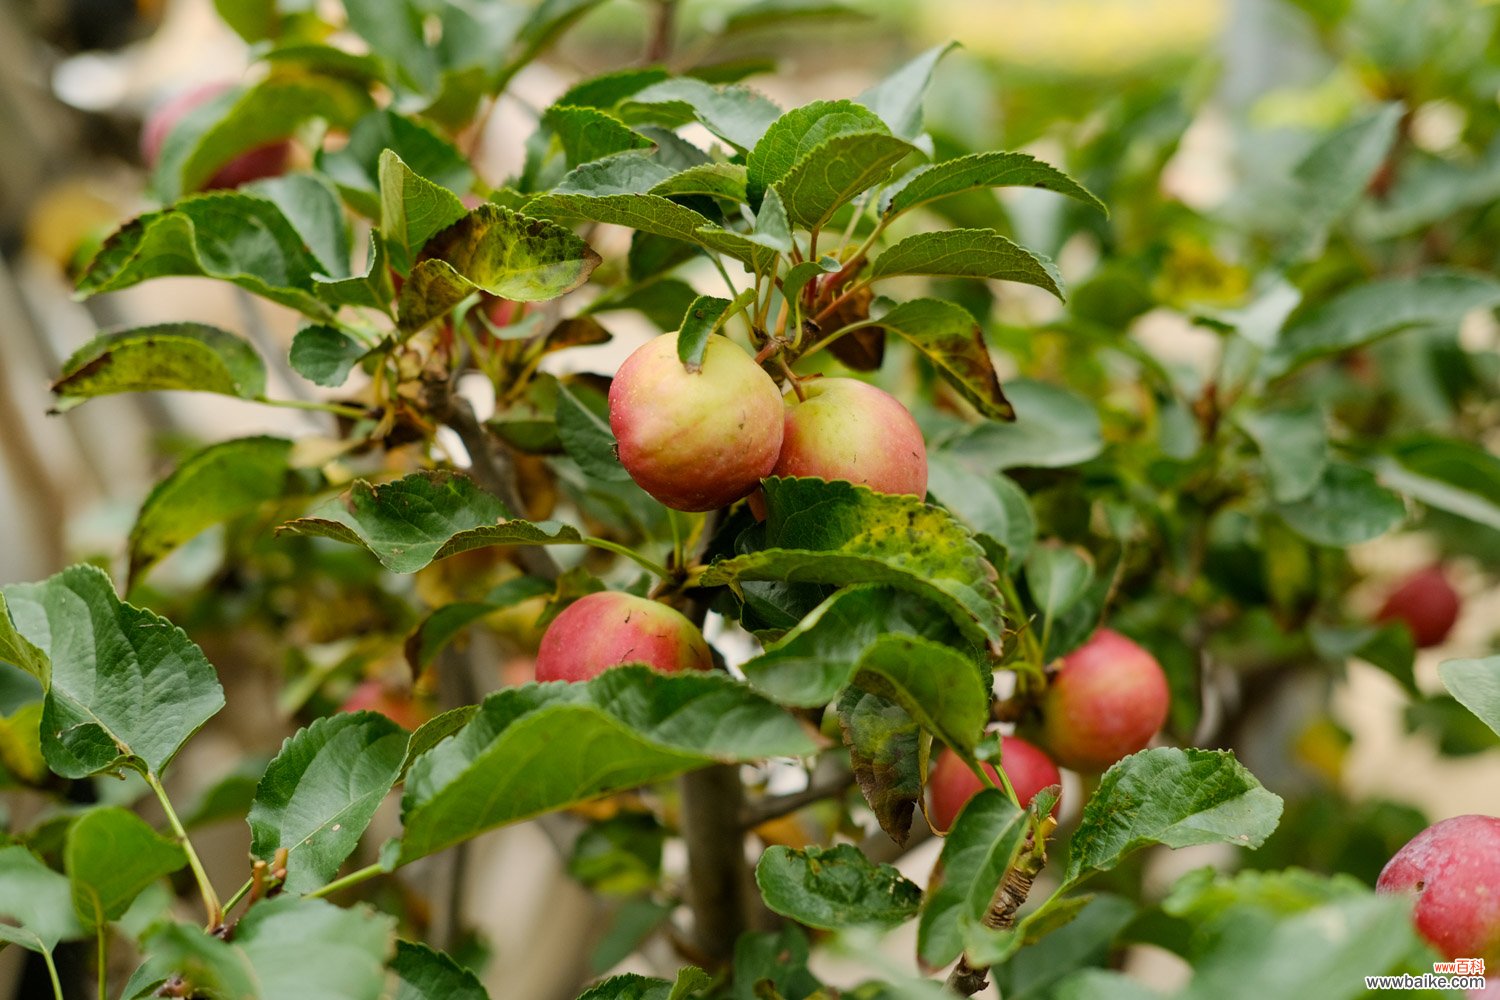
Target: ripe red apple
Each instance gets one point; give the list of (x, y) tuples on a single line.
[(1107, 701), (1426, 602), (1453, 867), (695, 440), (953, 784), (398, 706), (609, 628), (270, 160), (848, 429)]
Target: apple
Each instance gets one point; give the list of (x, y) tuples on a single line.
[(695, 440), (270, 160), (848, 429), (399, 706), (1106, 702), (953, 784), (1427, 603), (609, 628), (1453, 868)]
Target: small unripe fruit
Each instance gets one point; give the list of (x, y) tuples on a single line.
[(695, 440), (1453, 867), (270, 160), (398, 706), (953, 784), (1427, 603), (848, 429), (607, 629), (1107, 701)]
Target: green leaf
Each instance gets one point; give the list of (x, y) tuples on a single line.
[(711, 180), (993, 506), (302, 947), (1476, 684), (835, 532), (313, 208), (206, 964), (884, 744), (373, 289), (111, 856), (588, 134), (898, 98), (412, 209), (1293, 443), (785, 15), (795, 135), (619, 856), (1089, 984), (1174, 797), (127, 686), (321, 791), (396, 33), (1448, 474), (704, 317), (495, 250), (777, 960), (772, 228), (1377, 309), (983, 170), (444, 624), (191, 357), (38, 899), (631, 986), (734, 113), (651, 213), (325, 355), (228, 797), (15, 648), (1346, 507), (208, 487), (1058, 576), (985, 839), (355, 167), (836, 887), (423, 517), (798, 275), (608, 89), (1054, 428), (1085, 940), (967, 253), (664, 302), (586, 436), (627, 727), (425, 974), (948, 336), (229, 235), (1335, 173), (835, 171), (434, 731), (21, 741), (622, 173)]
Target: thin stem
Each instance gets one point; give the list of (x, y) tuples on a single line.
[(844, 296), (1004, 784), (103, 960), (239, 894), (339, 409), (835, 335), (52, 974), (211, 905), (776, 806), (352, 879), (791, 377), (1028, 638), (629, 553)]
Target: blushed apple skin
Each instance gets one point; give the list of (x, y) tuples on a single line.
[(1106, 702), (400, 708), (952, 783), (1453, 868), (1427, 603), (270, 160), (848, 429), (695, 440), (607, 629)]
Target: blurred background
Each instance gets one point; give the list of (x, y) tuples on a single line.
[(1184, 115)]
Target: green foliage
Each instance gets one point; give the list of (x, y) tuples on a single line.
[(835, 888), (111, 856)]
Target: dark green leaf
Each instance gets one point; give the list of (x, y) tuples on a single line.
[(1347, 507), (969, 253), (426, 516), (425, 974), (898, 98), (325, 355), (1174, 797), (836, 887), (619, 856), (950, 338), (355, 168), (444, 624), (412, 209), (992, 505), (712, 180), (622, 173), (588, 134), (1054, 428), (884, 744), (321, 791), (772, 228), (396, 33), (1057, 576), (1335, 173), (191, 357), (38, 899), (984, 170), (208, 487), (111, 856), (495, 250), (586, 436), (227, 235), (796, 134), (1293, 444), (627, 727), (1085, 940), (608, 89), (373, 289), (301, 947), (734, 113), (228, 797), (836, 170), (126, 685), (835, 532), (651, 213), (313, 208), (1476, 684), (1451, 475), (985, 838), (777, 960), (1456, 730), (663, 302), (704, 317)]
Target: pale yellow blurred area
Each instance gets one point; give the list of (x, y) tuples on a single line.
[(1085, 36)]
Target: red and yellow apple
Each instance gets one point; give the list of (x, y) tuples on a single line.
[(1106, 702), (1427, 603), (270, 160), (607, 629), (848, 429), (953, 784), (1453, 870), (695, 440)]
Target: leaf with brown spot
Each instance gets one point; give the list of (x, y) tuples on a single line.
[(951, 339)]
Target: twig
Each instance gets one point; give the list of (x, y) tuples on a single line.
[(211, 905), (1015, 886), (776, 806), (718, 878), (660, 45)]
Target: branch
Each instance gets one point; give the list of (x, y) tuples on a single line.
[(718, 877), (965, 980), (776, 806)]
